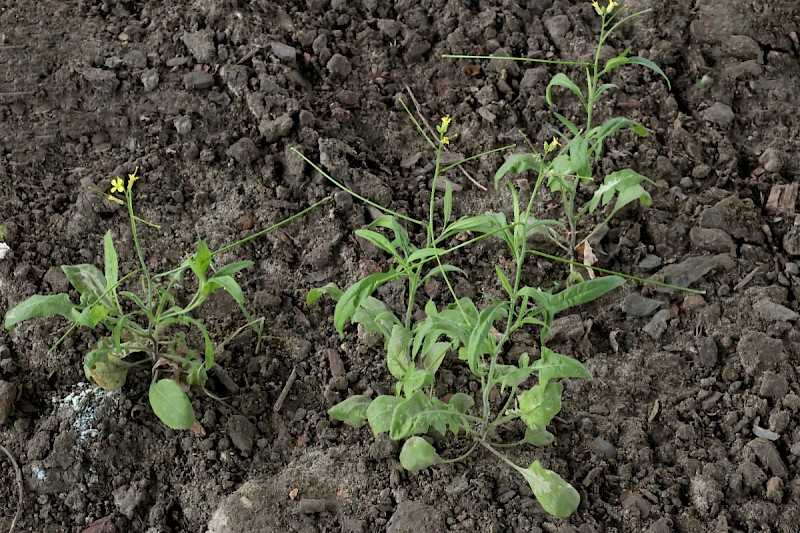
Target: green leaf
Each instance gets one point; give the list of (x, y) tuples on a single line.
[(133, 298), (603, 88), (92, 315), (378, 240), (397, 358), (617, 182), (401, 238), (480, 340), (538, 436), (553, 365), (201, 260), (424, 253), (561, 80), (448, 202), (230, 286), (330, 289), (353, 297), (416, 379), (375, 317), (417, 454), (404, 419), (208, 346), (540, 404), (197, 374), (501, 276), (573, 129), (41, 306), (579, 157), (104, 367), (622, 60), (461, 402), (556, 496), (516, 164), (171, 404), (88, 280), (232, 268), (381, 411), (111, 260), (433, 355), (583, 293), (352, 410), (440, 270)]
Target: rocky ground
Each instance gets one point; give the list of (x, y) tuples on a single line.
[(691, 422)]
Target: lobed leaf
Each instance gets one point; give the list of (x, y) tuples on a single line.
[(553, 365), (540, 404), (353, 410), (556, 496)]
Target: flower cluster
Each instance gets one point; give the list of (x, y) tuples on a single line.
[(602, 11), (118, 186)]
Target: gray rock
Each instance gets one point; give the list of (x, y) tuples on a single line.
[(414, 517), (771, 160), (741, 47), (498, 65), (639, 306), (200, 44), (558, 26), (150, 80), (134, 59), (183, 125), (662, 525), (242, 433), (127, 498), (284, 52), (773, 385), (197, 80), (773, 312), (737, 217), (244, 151), (752, 476), (758, 352), (339, 65), (650, 262), (391, 28), (791, 241), (658, 324), (704, 493), (692, 269), (605, 449), (275, 129), (102, 81), (711, 240), (769, 456), (701, 171), (57, 280), (719, 114), (707, 352)]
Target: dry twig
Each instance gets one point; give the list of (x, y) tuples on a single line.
[(18, 473)]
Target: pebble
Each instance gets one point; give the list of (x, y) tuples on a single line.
[(706, 352), (242, 433), (650, 262), (414, 517), (769, 456), (791, 241), (244, 151), (692, 269), (658, 324), (773, 312), (498, 65), (719, 114), (603, 448), (640, 306), (771, 160), (309, 506), (283, 51), (200, 44), (558, 26), (183, 125), (711, 240), (339, 65), (197, 80), (736, 217), (775, 490), (150, 80), (741, 47), (103, 81), (773, 386), (758, 352), (701, 171), (704, 493), (134, 59), (662, 525), (275, 129)]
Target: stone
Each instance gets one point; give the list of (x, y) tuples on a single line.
[(706, 352), (791, 241), (150, 80), (126, 499), (242, 433), (200, 44), (339, 65), (650, 262), (657, 325), (773, 312), (719, 114), (282, 51), (558, 26), (183, 125), (711, 240), (769, 456), (662, 525), (274, 129), (498, 65), (704, 493), (57, 280), (753, 477), (771, 160), (739, 218), (692, 269), (640, 306), (134, 59), (605, 449), (773, 385), (414, 517), (102, 81), (197, 80), (244, 151), (758, 352)]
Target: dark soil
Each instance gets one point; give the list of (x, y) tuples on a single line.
[(692, 422)]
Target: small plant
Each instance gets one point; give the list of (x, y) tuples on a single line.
[(152, 322), (525, 390), (573, 166)]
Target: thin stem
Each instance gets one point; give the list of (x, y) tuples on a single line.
[(528, 59), (147, 282), (462, 456)]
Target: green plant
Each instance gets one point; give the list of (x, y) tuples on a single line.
[(151, 322), (573, 167)]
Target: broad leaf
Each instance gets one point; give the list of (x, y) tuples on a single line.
[(583, 293), (352, 410), (556, 496), (41, 306), (104, 367), (230, 286), (330, 289), (553, 365), (201, 260), (378, 240), (417, 453), (538, 436), (540, 404), (397, 357), (381, 411), (89, 281), (353, 297), (171, 404)]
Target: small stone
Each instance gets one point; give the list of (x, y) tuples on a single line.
[(150, 80), (711, 240), (791, 241), (339, 65), (769, 456), (220, 98), (771, 160), (603, 448), (739, 218), (242, 433), (775, 490), (383, 448), (414, 517), (701, 171), (498, 65), (200, 44), (112, 62), (244, 151), (719, 114), (773, 385), (693, 268), (176, 61), (707, 352), (658, 324), (693, 302), (126, 499), (640, 306), (275, 129), (57, 280), (197, 80), (306, 118), (773, 312), (758, 352), (752, 476), (102, 81), (183, 125), (704, 493), (650, 262), (134, 59), (283, 52), (391, 28), (321, 43), (558, 26), (741, 47), (662, 525)]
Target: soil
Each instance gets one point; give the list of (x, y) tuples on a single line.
[(692, 420)]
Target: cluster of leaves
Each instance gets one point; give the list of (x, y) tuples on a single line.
[(151, 323)]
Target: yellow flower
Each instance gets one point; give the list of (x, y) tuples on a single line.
[(445, 140), (611, 4), (131, 178), (446, 121), (597, 7), (113, 198), (117, 185)]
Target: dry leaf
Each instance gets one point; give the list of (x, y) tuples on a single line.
[(293, 494), (197, 429), (654, 410), (588, 257)]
